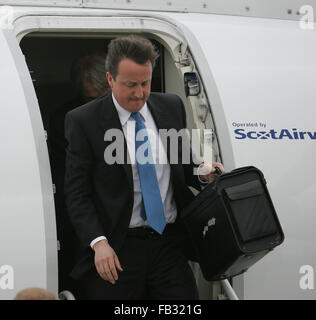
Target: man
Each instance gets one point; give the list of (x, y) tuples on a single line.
[(88, 77), (128, 215)]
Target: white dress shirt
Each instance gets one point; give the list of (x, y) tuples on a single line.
[(161, 164)]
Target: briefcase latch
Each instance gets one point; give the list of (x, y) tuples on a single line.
[(211, 222)]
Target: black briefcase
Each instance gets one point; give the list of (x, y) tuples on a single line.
[(232, 223)]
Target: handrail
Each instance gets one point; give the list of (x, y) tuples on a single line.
[(229, 290), (66, 295)]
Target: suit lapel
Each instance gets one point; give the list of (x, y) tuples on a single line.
[(163, 121), (159, 114), (110, 120)]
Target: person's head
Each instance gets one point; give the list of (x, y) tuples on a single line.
[(89, 76), (129, 63), (35, 294)]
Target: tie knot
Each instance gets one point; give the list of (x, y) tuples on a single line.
[(136, 116)]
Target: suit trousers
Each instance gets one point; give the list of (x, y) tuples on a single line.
[(154, 267)]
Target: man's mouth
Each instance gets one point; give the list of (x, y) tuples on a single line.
[(133, 99)]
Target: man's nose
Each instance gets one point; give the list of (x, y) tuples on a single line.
[(139, 91)]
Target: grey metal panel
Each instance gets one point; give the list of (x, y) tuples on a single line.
[(276, 9)]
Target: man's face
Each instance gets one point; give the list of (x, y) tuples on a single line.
[(131, 88)]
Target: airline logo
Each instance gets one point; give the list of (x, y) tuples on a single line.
[(259, 131), (288, 134)]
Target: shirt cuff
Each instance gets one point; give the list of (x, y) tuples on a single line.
[(93, 242), (203, 182)]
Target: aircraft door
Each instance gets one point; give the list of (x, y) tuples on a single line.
[(28, 243)]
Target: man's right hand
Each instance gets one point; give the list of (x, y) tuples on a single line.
[(106, 261)]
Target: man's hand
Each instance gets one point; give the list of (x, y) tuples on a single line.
[(207, 171), (106, 261)]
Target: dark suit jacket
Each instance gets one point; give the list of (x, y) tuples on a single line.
[(100, 196)]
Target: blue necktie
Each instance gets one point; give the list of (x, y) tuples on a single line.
[(148, 181)]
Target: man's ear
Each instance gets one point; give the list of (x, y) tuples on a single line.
[(110, 79)]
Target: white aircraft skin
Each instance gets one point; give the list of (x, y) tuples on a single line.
[(258, 73)]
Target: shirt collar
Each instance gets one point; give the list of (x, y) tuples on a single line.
[(124, 114)]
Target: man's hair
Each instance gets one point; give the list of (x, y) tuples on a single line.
[(89, 68), (35, 294), (137, 49)]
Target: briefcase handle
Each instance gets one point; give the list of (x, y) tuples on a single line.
[(241, 169)]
